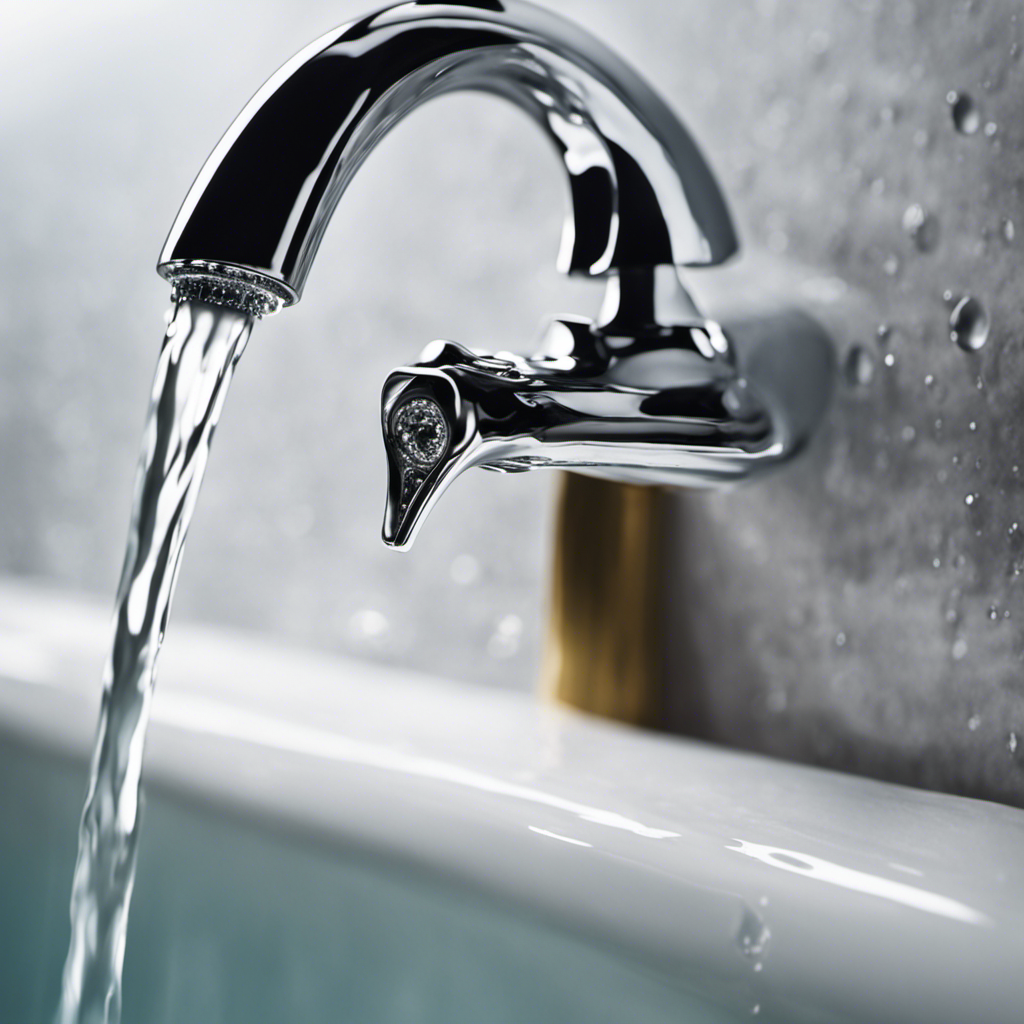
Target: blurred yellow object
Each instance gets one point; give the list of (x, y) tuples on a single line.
[(603, 652)]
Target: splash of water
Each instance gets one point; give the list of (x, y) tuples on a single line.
[(197, 359)]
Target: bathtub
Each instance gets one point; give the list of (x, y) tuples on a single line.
[(326, 839)]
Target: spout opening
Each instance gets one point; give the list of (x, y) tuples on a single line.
[(224, 284)]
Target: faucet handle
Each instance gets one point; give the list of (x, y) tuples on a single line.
[(454, 408), (653, 392), (430, 433)]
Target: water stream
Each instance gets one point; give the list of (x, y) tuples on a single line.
[(199, 352)]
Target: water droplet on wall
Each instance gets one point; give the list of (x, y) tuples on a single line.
[(966, 116), (976, 512), (921, 226), (858, 367), (969, 324), (951, 612)]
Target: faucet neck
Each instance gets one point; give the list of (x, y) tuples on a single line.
[(649, 303), (641, 193)]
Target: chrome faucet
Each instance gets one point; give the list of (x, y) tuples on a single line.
[(652, 392)]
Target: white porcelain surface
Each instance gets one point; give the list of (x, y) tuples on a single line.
[(870, 902)]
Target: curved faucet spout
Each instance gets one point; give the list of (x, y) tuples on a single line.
[(641, 193), (650, 393)]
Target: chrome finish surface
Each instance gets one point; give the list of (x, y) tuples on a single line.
[(651, 393), (641, 193), (669, 403)]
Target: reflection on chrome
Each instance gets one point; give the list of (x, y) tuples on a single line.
[(860, 881), (202, 715), (649, 393)]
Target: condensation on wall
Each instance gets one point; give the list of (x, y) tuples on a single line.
[(864, 608)]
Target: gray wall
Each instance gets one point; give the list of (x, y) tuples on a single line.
[(852, 611), (864, 608)]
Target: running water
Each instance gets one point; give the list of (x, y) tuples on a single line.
[(202, 344)]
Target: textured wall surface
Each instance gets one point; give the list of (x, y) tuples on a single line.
[(864, 608), (857, 610)]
